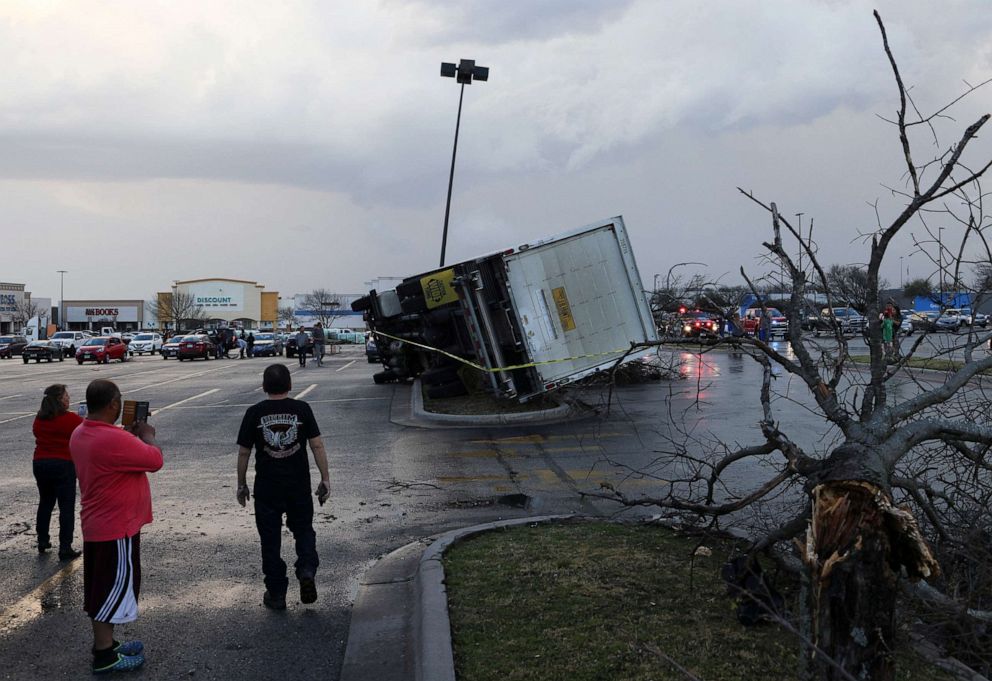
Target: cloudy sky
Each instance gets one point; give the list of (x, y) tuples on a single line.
[(307, 143)]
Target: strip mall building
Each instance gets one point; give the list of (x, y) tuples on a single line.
[(224, 302)]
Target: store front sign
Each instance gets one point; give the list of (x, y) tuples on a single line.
[(218, 297)]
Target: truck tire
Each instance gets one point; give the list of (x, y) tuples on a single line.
[(450, 389), (413, 305), (439, 375), (410, 289), (381, 377)]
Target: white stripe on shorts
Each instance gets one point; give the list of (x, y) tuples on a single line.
[(123, 589)]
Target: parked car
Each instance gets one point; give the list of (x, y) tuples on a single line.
[(980, 319), (145, 342), (778, 326), (102, 349), (291, 345), (345, 336), (849, 320), (697, 325), (12, 345), (924, 320), (371, 349), (69, 341), (42, 350), (949, 321), (197, 345), (170, 348), (267, 345)]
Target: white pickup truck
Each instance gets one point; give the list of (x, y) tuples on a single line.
[(70, 340)]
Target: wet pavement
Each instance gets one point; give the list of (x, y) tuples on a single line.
[(201, 612)]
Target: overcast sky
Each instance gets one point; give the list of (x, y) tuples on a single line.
[(307, 144)]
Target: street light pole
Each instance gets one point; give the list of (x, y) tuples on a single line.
[(901, 284), (62, 323), (465, 72)]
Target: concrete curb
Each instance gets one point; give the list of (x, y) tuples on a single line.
[(432, 627), (400, 628), (563, 412)]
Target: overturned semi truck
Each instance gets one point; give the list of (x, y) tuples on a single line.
[(527, 320)]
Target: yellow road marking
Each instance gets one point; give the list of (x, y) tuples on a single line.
[(537, 439), (29, 608), (580, 449), (470, 478), (480, 453)]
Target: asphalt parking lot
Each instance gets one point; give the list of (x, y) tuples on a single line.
[(201, 595), (390, 484)]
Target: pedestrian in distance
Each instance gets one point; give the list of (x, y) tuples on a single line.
[(242, 346), (764, 326), (888, 332), (251, 345), (302, 339), (112, 464), (279, 429), (53, 469), (318, 344)]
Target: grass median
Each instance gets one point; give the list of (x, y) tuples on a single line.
[(584, 601)]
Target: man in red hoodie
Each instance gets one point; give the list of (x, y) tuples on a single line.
[(111, 464)]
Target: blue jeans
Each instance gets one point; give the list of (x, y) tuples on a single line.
[(56, 480), (272, 501)]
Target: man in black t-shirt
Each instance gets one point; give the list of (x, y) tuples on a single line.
[(279, 429)]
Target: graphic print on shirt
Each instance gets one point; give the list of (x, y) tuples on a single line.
[(281, 432)]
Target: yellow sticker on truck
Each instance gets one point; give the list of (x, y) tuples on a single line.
[(439, 288), (564, 309)]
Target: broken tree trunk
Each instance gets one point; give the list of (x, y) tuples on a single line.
[(857, 546)]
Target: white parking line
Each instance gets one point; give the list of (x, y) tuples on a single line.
[(181, 378), (10, 397), (306, 392), (188, 399), (346, 366), (16, 418)]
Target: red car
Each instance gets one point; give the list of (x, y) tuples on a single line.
[(101, 350), (197, 345)]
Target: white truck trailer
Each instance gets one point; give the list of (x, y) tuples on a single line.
[(531, 318)]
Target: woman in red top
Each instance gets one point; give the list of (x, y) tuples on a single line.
[(53, 469)]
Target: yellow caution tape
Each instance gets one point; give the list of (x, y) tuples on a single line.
[(506, 368)]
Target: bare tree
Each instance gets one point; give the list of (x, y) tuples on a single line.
[(918, 288), (849, 284), (905, 471), (323, 304), (178, 309), (287, 315), (26, 310)]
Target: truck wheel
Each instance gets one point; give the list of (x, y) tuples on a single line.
[(79, 362), (381, 377), (25, 360), (451, 389), (439, 375), (61, 358)]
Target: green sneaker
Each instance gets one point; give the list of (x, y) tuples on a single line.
[(123, 663)]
